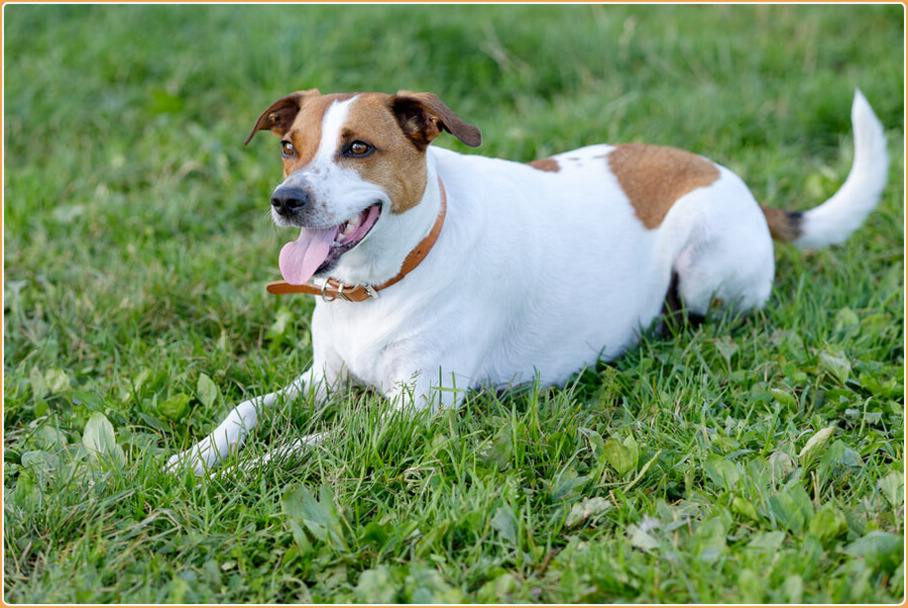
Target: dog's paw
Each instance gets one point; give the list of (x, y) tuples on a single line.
[(195, 459)]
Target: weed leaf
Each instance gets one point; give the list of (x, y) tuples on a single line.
[(282, 322), (767, 541), (784, 398), (722, 472), (426, 586), (642, 539), (893, 488), (621, 455), (589, 507), (566, 484), (39, 460), (882, 550), (838, 459), (299, 536), (36, 380), (709, 540), (207, 390), (506, 524), (846, 322), (377, 586), (744, 507), (827, 524), (726, 347), (319, 516), (374, 533), (500, 590), (815, 445), (174, 407), (299, 504), (836, 364), (56, 381), (792, 509), (100, 440)]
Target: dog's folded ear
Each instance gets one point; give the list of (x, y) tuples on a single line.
[(422, 116), (281, 114)]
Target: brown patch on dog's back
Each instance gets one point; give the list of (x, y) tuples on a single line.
[(546, 164), (654, 177)]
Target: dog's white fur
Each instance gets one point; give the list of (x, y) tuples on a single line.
[(535, 274)]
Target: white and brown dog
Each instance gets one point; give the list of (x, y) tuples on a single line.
[(437, 272)]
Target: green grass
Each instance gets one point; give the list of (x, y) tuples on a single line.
[(754, 460)]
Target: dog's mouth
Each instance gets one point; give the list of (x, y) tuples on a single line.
[(318, 249)]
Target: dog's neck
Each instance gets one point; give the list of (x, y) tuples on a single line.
[(381, 254)]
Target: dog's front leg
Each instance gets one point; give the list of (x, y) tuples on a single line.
[(433, 387), (230, 434)]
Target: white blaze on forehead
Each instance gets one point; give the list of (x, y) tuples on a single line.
[(334, 120)]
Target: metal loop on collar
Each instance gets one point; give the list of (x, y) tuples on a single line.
[(340, 292), (324, 295)]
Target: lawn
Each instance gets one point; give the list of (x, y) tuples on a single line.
[(747, 460)]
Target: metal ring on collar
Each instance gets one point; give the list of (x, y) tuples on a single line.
[(340, 292), (324, 295)]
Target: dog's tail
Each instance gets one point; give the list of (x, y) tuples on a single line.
[(833, 221)]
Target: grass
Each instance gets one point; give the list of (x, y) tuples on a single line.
[(750, 460)]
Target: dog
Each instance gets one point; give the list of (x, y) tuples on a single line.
[(437, 272)]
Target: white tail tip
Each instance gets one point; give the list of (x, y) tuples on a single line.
[(834, 221)]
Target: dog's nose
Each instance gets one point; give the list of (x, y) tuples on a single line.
[(287, 201)]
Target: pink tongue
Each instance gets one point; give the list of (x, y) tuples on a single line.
[(300, 259)]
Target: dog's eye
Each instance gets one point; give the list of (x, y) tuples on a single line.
[(287, 149), (359, 149)]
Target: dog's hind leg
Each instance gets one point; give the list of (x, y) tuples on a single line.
[(675, 314), (725, 255)]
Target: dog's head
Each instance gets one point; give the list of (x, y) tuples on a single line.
[(350, 162)]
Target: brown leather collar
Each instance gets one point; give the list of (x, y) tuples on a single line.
[(333, 290)]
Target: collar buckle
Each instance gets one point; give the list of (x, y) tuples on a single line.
[(333, 289), (370, 291)]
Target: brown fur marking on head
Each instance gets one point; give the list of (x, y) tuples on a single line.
[(306, 131), (397, 164), (398, 127), (654, 177), (546, 164)]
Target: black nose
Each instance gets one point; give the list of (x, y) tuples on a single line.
[(288, 201)]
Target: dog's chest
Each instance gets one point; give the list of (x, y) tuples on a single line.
[(368, 338)]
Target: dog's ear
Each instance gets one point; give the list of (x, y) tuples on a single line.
[(281, 114), (422, 116)]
